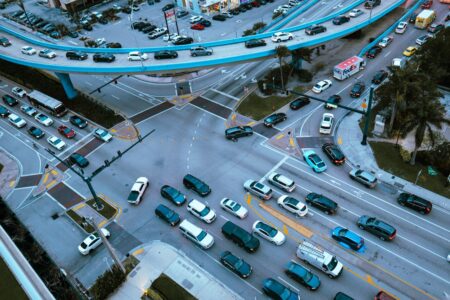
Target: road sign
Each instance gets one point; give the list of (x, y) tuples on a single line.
[(364, 104)]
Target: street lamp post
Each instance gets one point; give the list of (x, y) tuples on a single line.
[(367, 117)]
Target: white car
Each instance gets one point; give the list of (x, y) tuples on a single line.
[(195, 19), (282, 37), (92, 241), (47, 53), (282, 182), (28, 50), (17, 121), (137, 190), (293, 205), (102, 135), (28, 110), (386, 41), (268, 232), (355, 13), (170, 37), (43, 119), (234, 208), (422, 39), (280, 10), (19, 92), (137, 56), (258, 189), (201, 211), (321, 86), (327, 123), (401, 27), (100, 41), (285, 6), (56, 142)]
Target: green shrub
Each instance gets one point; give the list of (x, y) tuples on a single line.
[(304, 75), (405, 154), (438, 157), (276, 15), (248, 32), (107, 283), (259, 25)]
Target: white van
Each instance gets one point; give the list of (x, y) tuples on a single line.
[(319, 258), (196, 234)]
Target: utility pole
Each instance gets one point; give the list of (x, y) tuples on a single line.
[(367, 117)]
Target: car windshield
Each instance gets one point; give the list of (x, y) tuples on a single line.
[(201, 236), (332, 264), (315, 159), (235, 206), (66, 130), (102, 133), (343, 232), (286, 294), (133, 195), (56, 141), (205, 211), (37, 131), (83, 245), (270, 230), (173, 193)]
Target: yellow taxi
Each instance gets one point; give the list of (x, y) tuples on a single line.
[(410, 51)]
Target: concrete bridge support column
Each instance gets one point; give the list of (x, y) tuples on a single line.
[(64, 78)]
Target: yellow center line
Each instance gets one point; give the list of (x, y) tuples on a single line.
[(11, 183), (251, 123), (281, 135), (45, 178), (78, 206)]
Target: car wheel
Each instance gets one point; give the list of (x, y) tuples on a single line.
[(382, 238), (331, 276), (194, 55), (361, 227), (290, 38), (327, 212)]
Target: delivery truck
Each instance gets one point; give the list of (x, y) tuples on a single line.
[(348, 67), (425, 18), (319, 258)]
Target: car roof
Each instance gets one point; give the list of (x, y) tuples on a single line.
[(197, 205)]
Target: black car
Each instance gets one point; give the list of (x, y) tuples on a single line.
[(380, 76), (5, 42), (299, 103), (139, 25), (342, 296), (372, 3), (412, 18), (255, 43), (333, 101), (36, 132), (274, 119), (322, 203), (334, 153), (72, 55), (204, 22), (278, 291), (4, 112), (172, 194), (219, 18), (235, 12), (381, 229), (168, 6), (183, 40), (88, 27), (315, 29), (236, 264), (10, 100), (166, 54), (414, 202), (182, 13), (241, 237), (104, 57), (242, 8), (357, 89), (103, 21), (195, 184), (341, 20), (78, 122), (374, 51), (302, 276), (113, 45), (79, 160), (148, 28), (167, 214), (72, 34), (238, 131), (126, 10)]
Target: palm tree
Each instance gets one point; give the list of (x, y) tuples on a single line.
[(281, 52), (299, 55)]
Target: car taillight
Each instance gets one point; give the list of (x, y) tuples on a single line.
[(393, 235)]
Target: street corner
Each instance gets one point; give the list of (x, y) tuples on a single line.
[(236, 119), (125, 131), (49, 179), (285, 141), (180, 101)]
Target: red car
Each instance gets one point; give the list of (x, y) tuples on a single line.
[(256, 4), (66, 131), (198, 26), (427, 4)]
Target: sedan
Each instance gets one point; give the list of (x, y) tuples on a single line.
[(78, 122), (357, 89), (66, 131), (278, 37), (165, 54), (333, 101), (299, 103), (347, 237), (16, 121), (173, 195), (236, 264), (386, 41), (104, 57), (4, 112), (314, 161), (204, 22), (234, 208), (36, 132), (414, 202), (268, 232), (47, 53), (195, 19), (219, 17), (258, 189), (322, 203), (321, 86), (435, 28), (137, 190), (255, 43), (92, 241), (374, 51), (380, 76), (401, 27), (410, 51), (197, 26), (28, 50), (79, 160), (364, 177), (355, 13), (56, 143), (28, 110), (293, 205), (183, 40), (43, 119), (168, 215), (381, 229), (303, 276), (274, 119), (11, 101), (334, 153), (102, 135), (234, 133), (341, 20), (19, 92), (427, 4), (137, 56), (282, 182), (278, 291), (422, 39), (201, 51)]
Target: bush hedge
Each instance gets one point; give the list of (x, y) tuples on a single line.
[(439, 158), (107, 283)]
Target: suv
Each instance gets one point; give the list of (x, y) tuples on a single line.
[(372, 3), (321, 202), (380, 76), (379, 228), (302, 276), (315, 29), (282, 182), (364, 177), (334, 153), (72, 55), (239, 236), (92, 242), (412, 201), (340, 20), (4, 42), (201, 211), (237, 132), (104, 57), (196, 234), (258, 189), (195, 184), (255, 43)]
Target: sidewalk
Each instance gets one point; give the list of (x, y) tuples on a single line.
[(157, 258), (362, 156)]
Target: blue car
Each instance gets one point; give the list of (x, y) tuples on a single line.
[(349, 238), (314, 161)]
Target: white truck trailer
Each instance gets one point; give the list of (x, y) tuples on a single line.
[(348, 67)]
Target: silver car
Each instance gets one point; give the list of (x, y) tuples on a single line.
[(364, 177), (258, 189), (201, 51), (282, 182)]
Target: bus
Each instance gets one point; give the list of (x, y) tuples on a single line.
[(425, 18), (47, 103)]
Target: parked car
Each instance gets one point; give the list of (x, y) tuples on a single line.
[(4, 112), (35, 132), (356, 12), (386, 41), (28, 50), (377, 227), (341, 20), (401, 27), (303, 276), (219, 17), (276, 290), (255, 43), (78, 122), (16, 121), (195, 184), (427, 4), (278, 37), (204, 22), (168, 6), (293, 205), (322, 203), (334, 153), (347, 237), (422, 39), (236, 264), (233, 208), (380, 76), (268, 232), (374, 51), (4, 42), (19, 92), (76, 55), (321, 86), (103, 135), (201, 211), (236, 132), (435, 28), (363, 177), (281, 182), (56, 142), (47, 53), (173, 195), (182, 13), (168, 215), (333, 101), (410, 51), (195, 19), (315, 29), (104, 57), (157, 33), (357, 89), (258, 189), (137, 56), (314, 161), (165, 54), (10, 100), (183, 40), (43, 119), (137, 190), (299, 103), (415, 202), (92, 242), (274, 119), (201, 51), (241, 237), (197, 26), (412, 18)]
